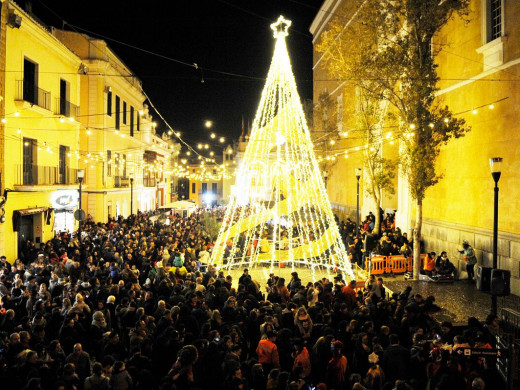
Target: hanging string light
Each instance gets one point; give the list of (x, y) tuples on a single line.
[(280, 211)]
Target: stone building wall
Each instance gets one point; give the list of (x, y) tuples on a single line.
[(448, 236)]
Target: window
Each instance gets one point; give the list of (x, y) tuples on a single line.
[(30, 81), (492, 48), (118, 112), (214, 187), (132, 113), (204, 188), (109, 163), (109, 103), (64, 108), (124, 113), (138, 122), (63, 171), (193, 188), (30, 171), (495, 19)]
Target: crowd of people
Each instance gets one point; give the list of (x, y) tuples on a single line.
[(131, 305)]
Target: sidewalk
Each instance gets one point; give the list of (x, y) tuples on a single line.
[(459, 300)]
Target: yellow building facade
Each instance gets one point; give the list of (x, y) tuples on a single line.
[(40, 122), (125, 161), (70, 106), (206, 184), (477, 69)]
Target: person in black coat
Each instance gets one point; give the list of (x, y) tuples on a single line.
[(396, 360)]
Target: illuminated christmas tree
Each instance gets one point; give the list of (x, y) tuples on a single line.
[(279, 211)]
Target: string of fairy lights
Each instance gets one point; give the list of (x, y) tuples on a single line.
[(207, 168), (126, 158), (279, 211), (385, 137)]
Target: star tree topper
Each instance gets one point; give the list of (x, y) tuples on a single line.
[(281, 27)]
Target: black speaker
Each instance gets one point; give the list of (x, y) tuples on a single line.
[(483, 276), (500, 282)]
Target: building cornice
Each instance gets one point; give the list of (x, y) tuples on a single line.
[(478, 76), (322, 17)]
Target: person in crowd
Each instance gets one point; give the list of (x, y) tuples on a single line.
[(114, 311), (443, 265), (469, 258)]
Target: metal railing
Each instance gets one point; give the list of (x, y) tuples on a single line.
[(121, 181), (66, 108), (45, 175), (508, 339), (33, 94)]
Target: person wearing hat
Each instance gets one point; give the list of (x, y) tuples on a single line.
[(469, 258), (337, 367)]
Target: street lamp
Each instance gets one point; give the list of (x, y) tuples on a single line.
[(131, 193), (157, 207), (325, 177), (81, 175), (358, 176), (495, 164)]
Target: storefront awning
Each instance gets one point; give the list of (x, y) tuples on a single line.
[(36, 210)]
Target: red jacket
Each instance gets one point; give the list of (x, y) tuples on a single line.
[(267, 352), (303, 359)]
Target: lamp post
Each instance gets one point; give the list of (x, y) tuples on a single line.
[(81, 175), (131, 193), (358, 176), (325, 177), (495, 164), (157, 195)]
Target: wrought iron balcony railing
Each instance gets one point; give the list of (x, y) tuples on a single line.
[(33, 94), (46, 175), (121, 181), (66, 108)]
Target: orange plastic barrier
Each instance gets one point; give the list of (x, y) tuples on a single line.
[(410, 262), (378, 265), (398, 264)]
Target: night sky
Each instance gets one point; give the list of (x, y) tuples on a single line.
[(230, 40)]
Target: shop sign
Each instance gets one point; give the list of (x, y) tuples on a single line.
[(64, 199)]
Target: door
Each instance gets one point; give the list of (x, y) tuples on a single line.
[(29, 82), (63, 165), (25, 234), (29, 167)]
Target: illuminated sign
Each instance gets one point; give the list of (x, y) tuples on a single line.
[(64, 199)]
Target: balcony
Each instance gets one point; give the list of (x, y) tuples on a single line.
[(66, 108), (32, 94), (121, 181), (45, 175)]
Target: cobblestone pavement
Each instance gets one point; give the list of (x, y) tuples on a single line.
[(459, 300)]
